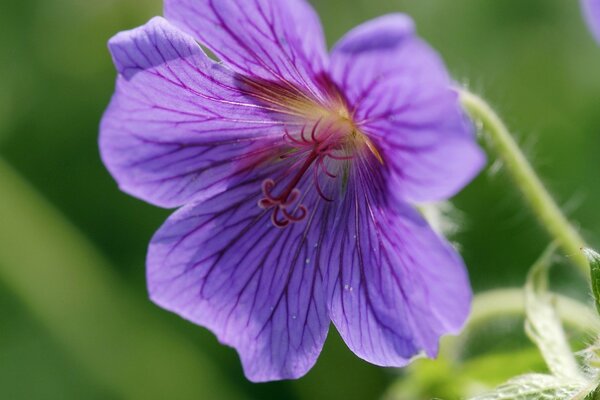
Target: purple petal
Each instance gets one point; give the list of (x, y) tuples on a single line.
[(276, 40), (395, 286), (222, 264), (401, 96), (591, 9), (177, 119)]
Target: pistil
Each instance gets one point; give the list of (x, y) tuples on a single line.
[(284, 202)]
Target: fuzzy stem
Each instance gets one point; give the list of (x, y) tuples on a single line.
[(544, 207), (510, 302)]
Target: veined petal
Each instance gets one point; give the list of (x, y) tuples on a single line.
[(395, 287), (401, 97), (222, 264), (591, 10), (177, 119), (276, 40)]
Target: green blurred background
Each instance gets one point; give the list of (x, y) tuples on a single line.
[(75, 322)]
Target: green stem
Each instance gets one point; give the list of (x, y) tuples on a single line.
[(510, 302), (497, 303), (122, 342), (540, 201), (452, 369)]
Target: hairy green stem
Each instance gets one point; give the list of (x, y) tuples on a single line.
[(506, 302), (510, 302), (489, 306), (536, 195)]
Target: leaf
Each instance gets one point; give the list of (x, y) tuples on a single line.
[(594, 260), (594, 395), (543, 325), (535, 387), (450, 380)]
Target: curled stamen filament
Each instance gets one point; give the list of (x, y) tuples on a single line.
[(286, 206), (318, 186), (288, 217), (339, 158), (282, 204), (292, 140), (323, 167)]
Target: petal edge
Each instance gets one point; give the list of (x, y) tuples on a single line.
[(177, 119)]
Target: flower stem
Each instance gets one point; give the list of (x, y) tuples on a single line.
[(510, 302), (542, 204), (497, 303)]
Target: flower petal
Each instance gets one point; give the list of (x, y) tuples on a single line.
[(177, 118), (222, 264), (395, 286), (591, 10), (401, 97), (277, 40)]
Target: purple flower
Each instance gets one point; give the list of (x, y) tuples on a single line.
[(295, 172), (591, 11)]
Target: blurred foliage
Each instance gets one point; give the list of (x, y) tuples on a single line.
[(534, 59)]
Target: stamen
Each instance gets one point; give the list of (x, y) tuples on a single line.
[(292, 140), (296, 218), (323, 167), (286, 200), (313, 133), (318, 186), (339, 158), (322, 143)]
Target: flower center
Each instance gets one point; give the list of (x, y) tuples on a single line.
[(325, 146), (326, 143)]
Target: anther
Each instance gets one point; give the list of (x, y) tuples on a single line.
[(317, 146)]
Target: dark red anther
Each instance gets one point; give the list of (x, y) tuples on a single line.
[(286, 206)]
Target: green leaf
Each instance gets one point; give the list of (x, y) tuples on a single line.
[(594, 260), (543, 325), (450, 380), (535, 387), (594, 395)]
